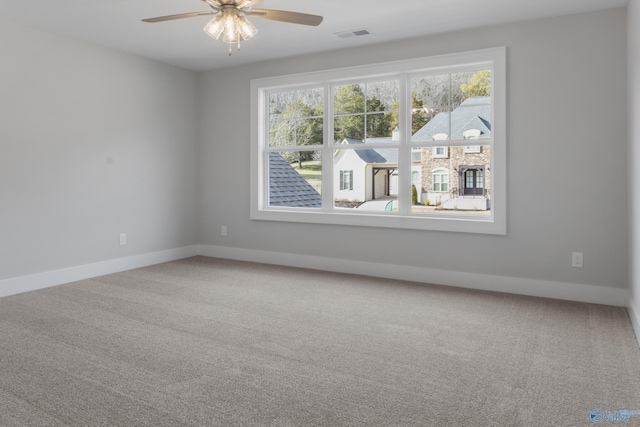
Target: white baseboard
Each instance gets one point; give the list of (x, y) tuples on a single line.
[(634, 315), (65, 275), (514, 285)]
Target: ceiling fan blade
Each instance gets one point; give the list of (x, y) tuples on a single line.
[(178, 16), (286, 16)]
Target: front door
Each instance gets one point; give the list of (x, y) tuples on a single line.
[(473, 180)]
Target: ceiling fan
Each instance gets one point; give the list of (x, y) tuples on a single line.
[(230, 21)]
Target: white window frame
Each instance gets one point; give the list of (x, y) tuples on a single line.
[(442, 172), (347, 180), (443, 155), (471, 134), (472, 149), (494, 223)]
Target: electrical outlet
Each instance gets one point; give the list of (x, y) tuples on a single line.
[(576, 259), (123, 239), (223, 230)]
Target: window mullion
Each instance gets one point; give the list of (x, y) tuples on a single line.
[(404, 154), (327, 151)]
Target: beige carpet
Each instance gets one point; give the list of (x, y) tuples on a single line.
[(205, 341)]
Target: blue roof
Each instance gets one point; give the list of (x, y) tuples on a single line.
[(288, 188), (473, 113), (378, 155)]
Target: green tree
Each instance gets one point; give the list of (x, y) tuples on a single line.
[(418, 116), (298, 124), (349, 100), (378, 125), (479, 85), (349, 104)]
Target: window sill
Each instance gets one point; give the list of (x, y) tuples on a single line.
[(450, 222)]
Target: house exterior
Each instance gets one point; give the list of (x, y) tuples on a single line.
[(363, 174), (368, 173), (450, 177), (457, 177)]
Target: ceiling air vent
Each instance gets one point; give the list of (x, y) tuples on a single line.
[(353, 33)]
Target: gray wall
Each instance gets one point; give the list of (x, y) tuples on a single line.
[(634, 155), (93, 143), (567, 148)]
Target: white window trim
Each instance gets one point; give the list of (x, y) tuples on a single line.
[(471, 149), (495, 223), (471, 134), (444, 155), (441, 172)]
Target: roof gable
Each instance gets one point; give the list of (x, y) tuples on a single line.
[(371, 155), (473, 113)]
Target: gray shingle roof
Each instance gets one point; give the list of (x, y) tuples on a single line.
[(288, 188), (378, 155), (473, 113)]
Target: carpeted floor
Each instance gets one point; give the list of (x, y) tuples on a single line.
[(204, 341)]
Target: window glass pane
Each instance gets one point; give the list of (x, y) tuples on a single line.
[(295, 117), (471, 105), (295, 179), (348, 99), (348, 127), (429, 99), (431, 91), (366, 111), (457, 104), (434, 125), (383, 96), (471, 120), (462, 88), (480, 179), (313, 99), (281, 101), (309, 131), (458, 185), (474, 84), (366, 179), (379, 126), (282, 131), (470, 179)]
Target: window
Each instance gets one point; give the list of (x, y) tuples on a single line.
[(346, 180), (315, 135), (440, 152), (440, 180), (472, 149), (471, 134), (415, 178)]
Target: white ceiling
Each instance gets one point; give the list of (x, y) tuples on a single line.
[(116, 23)]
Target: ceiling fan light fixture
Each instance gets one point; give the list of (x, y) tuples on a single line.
[(215, 27), (231, 26), (230, 21), (246, 28)]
